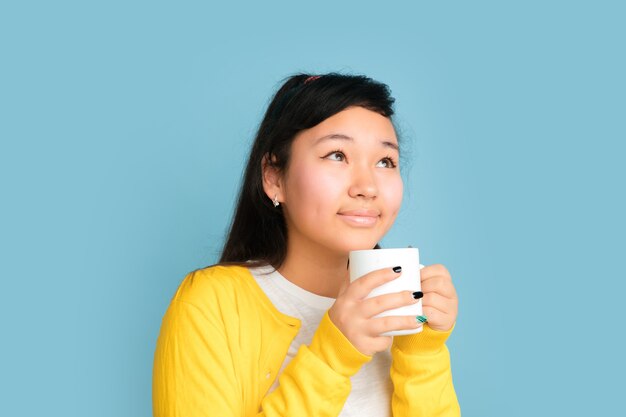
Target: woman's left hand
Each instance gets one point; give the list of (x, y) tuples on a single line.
[(440, 303)]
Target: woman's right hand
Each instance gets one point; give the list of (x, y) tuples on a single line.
[(353, 314)]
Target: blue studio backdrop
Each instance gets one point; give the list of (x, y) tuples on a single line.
[(124, 127)]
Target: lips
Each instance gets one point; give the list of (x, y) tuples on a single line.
[(360, 217)]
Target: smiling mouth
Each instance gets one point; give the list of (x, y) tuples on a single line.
[(360, 218)]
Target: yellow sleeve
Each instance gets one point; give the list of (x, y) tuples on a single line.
[(195, 376), (317, 381), (422, 377)]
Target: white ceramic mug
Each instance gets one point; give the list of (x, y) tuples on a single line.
[(365, 261)]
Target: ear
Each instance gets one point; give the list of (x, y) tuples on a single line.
[(272, 178)]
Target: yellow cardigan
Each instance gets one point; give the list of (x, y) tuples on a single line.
[(222, 343)]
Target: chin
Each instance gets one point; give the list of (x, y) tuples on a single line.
[(359, 245)]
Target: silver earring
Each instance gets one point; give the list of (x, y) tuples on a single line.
[(275, 201)]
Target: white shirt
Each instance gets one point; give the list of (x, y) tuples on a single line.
[(371, 386)]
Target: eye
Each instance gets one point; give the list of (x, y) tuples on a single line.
[(387, 162), (336, 156)]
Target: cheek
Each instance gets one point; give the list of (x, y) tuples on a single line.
[(312, 189), (393, 192)]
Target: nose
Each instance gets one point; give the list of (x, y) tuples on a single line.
[(363, 183)]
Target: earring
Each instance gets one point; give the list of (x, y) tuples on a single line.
[(275, 201)]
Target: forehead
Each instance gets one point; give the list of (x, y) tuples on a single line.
[(357, 123)]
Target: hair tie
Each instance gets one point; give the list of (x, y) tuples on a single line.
[(311, 78)]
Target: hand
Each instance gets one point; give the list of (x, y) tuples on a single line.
[(353, 314), (440, 303)]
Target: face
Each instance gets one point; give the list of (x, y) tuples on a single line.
[(342, 188)]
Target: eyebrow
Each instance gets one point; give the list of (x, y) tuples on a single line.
[(385, 143)]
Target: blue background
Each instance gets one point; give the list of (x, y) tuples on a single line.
[(124, 126)]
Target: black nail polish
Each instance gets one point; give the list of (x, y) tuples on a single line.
[(418, 294), (397, 269)]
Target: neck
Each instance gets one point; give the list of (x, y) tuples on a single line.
[(316, 270)]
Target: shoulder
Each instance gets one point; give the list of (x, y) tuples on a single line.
[(215, 285), (228, 292)]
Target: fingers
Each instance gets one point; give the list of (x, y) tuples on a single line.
[(438, 320), (373, 306), (436, 279), (382, 325), (439, 302), (432, 271), (362, 286), (357, 316)]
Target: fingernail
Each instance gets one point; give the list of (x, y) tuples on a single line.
[(418, 294), (421, 319), (397, 269)]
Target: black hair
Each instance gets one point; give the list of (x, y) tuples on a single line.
[(258, 231)]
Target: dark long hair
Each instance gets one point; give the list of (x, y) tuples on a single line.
[(258, 231)]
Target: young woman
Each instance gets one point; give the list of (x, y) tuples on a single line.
[(276, 328)]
